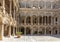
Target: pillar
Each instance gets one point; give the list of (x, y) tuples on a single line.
[(25, 31), (9, 30), (2, 30), (31, 21), (48, 19), (57, 31), (25, 20), (4, 6), (38, 30), (13, 31), (42, 20), (45, 31), (31, 31), (51, 31)]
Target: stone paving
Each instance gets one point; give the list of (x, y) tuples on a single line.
[(32, 39)]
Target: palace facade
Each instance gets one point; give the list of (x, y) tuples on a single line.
[(39, 17)]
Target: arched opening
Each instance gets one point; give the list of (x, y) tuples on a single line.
[(22, 30), (34, 19), (11, 30), (41, 31), (44, 20), (55, 30), (28, 31), (48, 31), (35, 31), (6, 30), (28, 20), (40, 20), (22, 19), (49, 19)]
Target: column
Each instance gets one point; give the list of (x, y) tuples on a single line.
[(9, 30), (38, 30), (48, 19), (38, 21), (25, 20), (31, 21), (25, 31), (10, 7), (51, 31), (2, 30), (45, 31), (31, 31), (57, 31), (45, 20), (13, 31), (4, 6), (42, 20)]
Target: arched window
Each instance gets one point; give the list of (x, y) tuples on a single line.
[(41, 4), (56, 5), (34, 19), (40, 20), (49, 19), (28, 20), (22, 19), (22, 4), (48, 5), (28, 4), (35, 4), (46, 20)]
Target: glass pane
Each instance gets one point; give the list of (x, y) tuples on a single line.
[(41, 4), (48, 5)]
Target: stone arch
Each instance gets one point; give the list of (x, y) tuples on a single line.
[(44, 19), (21, 29), (41, 30), (35, 29), (34, 19), (48, 31), (49, 19), (40, 19), (22, 19), (28, 20), (55, 30), (28, 30)]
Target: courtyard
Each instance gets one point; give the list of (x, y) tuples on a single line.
[(42, 38)]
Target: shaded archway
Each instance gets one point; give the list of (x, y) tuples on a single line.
[(6, 30), (28, 31), (41, 31), (22, 30), (22, 19), (40, 20), (35, 30), (55, 30), (34, 19), (28, 20), (48, 31)]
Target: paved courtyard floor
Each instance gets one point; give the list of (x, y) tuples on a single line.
[(32, 39)]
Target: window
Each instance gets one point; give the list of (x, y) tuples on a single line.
[(35, 4), (22, 4), (48, 5), (56, 5), (28, 20), (41, 4), (34, 19), (56, 19), (0, 4), (28, 4)]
